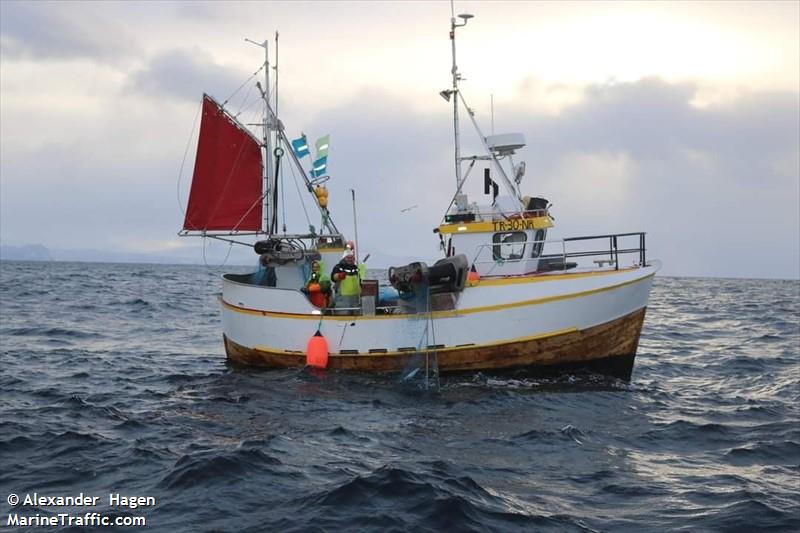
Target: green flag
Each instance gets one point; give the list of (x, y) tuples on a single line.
[(322, 146)]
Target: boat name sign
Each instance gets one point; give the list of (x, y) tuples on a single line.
[(519, 224), (512, 224)]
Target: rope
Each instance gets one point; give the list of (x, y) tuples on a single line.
[(427, 338), (228, 180), (245, 83), (241, 149), (230, 175), (433, 338), (283, 201), (273, 225), (458, 190), (224, 261), (300, 194), (245, 106), (183, 162)]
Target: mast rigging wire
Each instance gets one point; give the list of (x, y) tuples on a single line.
[(227, 182), (183, 162), (274, 199), (224, 261), (245, 106), (283, 201), (300, 194), (245, 83)]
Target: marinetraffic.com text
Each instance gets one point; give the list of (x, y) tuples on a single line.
[(38, 510)]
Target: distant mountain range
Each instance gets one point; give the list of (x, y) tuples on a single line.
[(239, 255), (27, 252), (191, 256)]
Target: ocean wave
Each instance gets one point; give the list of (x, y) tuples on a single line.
[(52, 332), (748, 514), (201, 467), (786, 453), (687, 435), (108, 383), (16, 443), (433, 501)]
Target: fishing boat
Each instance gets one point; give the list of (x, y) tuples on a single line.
[(502, 296)]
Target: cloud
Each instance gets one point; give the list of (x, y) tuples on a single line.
[(178, 73), (715, 187), (613, 173), (650, 118), (57, 30)]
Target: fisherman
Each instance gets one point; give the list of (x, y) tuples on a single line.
[(265, 273), (348, 276), (318, 286)]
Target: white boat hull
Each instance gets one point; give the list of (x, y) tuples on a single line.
[(495, 317)]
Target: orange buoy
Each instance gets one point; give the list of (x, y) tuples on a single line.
[(317, 351), (316, 295), (473, 278)]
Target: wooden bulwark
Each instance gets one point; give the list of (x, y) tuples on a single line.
[(614, 340)]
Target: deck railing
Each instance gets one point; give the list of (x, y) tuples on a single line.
[(613, 246)]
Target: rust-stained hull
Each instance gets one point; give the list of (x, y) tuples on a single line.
[(610, 346)]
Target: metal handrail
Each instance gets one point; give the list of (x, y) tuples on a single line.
[(613, 251)]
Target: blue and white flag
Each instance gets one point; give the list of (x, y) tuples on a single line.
[(320, 165), (300, 147)]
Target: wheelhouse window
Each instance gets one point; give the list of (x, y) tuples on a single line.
[(538, 243), (508, 246)]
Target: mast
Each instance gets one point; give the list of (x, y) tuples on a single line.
[(267, 125), (267, 146), (454, 72), (271, 124), (274, 220), (226, 194), (454, 91), (278, 169), (456, 95)]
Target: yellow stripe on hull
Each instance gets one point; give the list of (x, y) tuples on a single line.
[(435, 314)]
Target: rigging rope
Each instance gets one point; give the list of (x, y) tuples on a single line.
[(224, 261), (183, 162), (245, 83), (423, 310), (300, 194), (428, 353), (228, 179), (283, 201), (230, 175), (245, 106), (274, 223)]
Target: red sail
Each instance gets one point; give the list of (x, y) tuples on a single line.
[(226, 188)]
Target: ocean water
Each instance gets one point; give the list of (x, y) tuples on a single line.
[(113, 379)]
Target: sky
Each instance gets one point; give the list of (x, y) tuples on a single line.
[(680, 119)]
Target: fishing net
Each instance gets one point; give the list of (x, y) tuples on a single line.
[(422, 367)]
